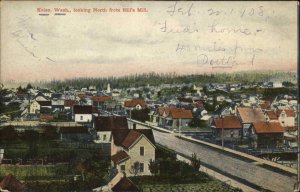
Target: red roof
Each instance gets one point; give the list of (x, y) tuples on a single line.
[(126, 137), (264, 106), (135, 102), (272, 115), (250, 115), (101, 98), (119, 157), (228, 122), (177, 113), (125, 185), (70, 103), (289, 112), (268, 127), (160, 110), (81, 95), (131, 138)]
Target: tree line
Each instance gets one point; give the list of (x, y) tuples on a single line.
[(155, 79)]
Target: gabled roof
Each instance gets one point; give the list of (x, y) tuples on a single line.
[(119, 157), (39, 94), (83, 109), (268, 127), (250, 115), (56, 95), (10, 183), (228, 122), (70, 103), (272, 115), (288, 112), (160, 111), (109, 123), (131, 138), (125, 185), (127, 137), (102, 98), (135, 102), (264, 106), (44, 103), (74, 129), (178, 113), (119, 135)]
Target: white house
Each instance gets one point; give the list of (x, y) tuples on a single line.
[(35, 106), (286, 117), (82, 113), (133, 149)]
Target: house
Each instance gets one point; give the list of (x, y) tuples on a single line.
[(266, 135), (40, 97), (58, 104), (99, 101), (128, 146), (46, 92), (73, 133), (228, 127), (158, 116), (248, 116), (135, 104), (104, 125), (125, 185), (265, 106), (82, 113), (132, 149), (286, 117), (177, 118), (68, 104), (38, 106), (271, 116), (120, 183)]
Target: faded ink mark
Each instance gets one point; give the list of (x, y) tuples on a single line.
[(26, 38), (50, 59)]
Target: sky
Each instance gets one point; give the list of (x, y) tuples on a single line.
[(180, 37)]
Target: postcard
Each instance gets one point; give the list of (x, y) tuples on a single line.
[(149, 96)]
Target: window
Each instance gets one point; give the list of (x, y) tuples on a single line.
[(104, 137), (81, 117), (122, 168), (142, 151), (141, 167)]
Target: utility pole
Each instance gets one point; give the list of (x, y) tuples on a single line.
[(179, 127), (222, 132)]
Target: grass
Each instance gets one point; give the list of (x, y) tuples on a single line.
[(162, 185), (37, 172)]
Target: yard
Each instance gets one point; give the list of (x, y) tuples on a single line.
[(177, 176), (213, 186)]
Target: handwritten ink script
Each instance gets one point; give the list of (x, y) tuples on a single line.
[(218, 36)]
